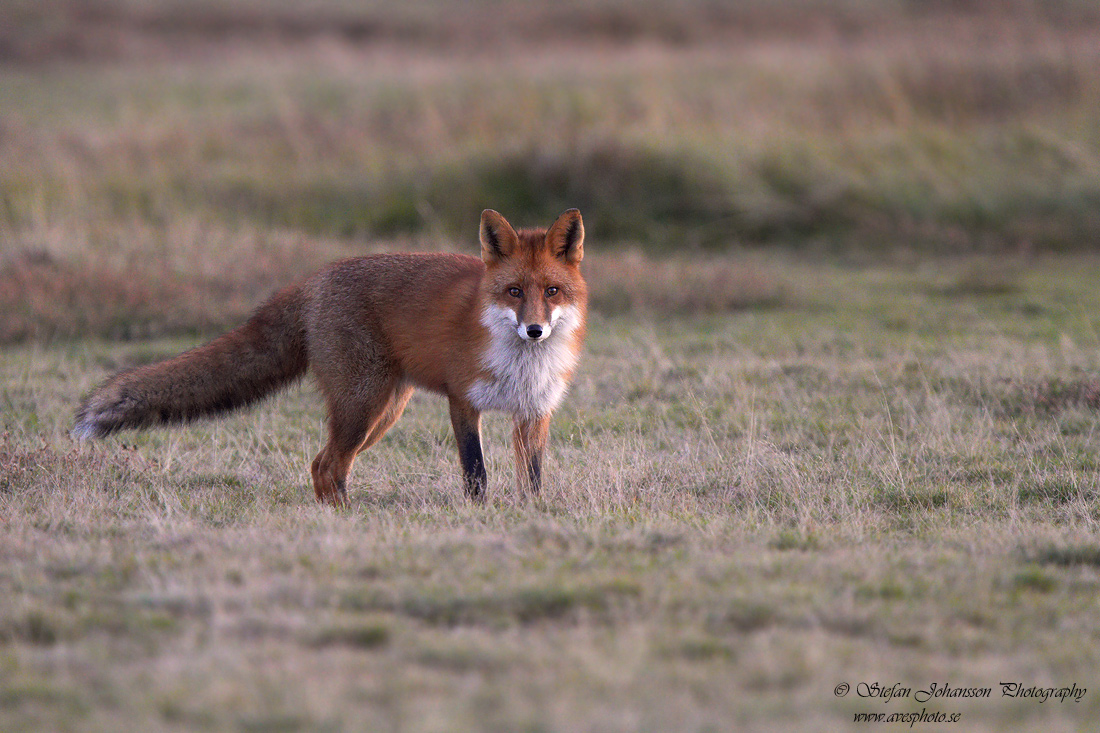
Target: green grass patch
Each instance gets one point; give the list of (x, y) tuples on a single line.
[(1053, 490), (353, 635), (1034, 579), (524, 605)]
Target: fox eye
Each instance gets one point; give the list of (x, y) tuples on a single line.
[(551, 292), (515, 292)]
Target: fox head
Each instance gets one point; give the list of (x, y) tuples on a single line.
[(533, 282)]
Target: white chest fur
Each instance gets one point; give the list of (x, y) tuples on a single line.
[(527, 378)]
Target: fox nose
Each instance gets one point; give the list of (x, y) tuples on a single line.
[(534, 331)]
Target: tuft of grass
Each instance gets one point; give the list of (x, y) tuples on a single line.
[(1034, 579), (902, 499), (986, 278), (35, 627), (745, 616), (30, 695), (1047, 395), (1068, 556), (523, 605), (353, 635), (278, 723), (702, 650), (792, 539), (1056, 490)]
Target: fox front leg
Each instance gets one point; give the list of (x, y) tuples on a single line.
[(529, 436), (466, 421)]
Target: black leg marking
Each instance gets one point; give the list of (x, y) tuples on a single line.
[(473, 465), (534, 472), (466, 422)]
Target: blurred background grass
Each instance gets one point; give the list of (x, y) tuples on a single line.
[(166, 164)]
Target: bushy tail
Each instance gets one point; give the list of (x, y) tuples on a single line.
[(241, 367)]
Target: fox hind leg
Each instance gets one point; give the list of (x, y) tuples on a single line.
[(353, 421), (393, 411)]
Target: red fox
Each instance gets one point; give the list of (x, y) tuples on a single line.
[(500, 333)]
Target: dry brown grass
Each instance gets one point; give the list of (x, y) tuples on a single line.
[(138, 282)]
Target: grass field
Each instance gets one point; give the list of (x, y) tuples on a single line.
[(743, 512), (835, 422)]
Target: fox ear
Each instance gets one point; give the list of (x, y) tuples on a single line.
[(566, 237), (498, 238)]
